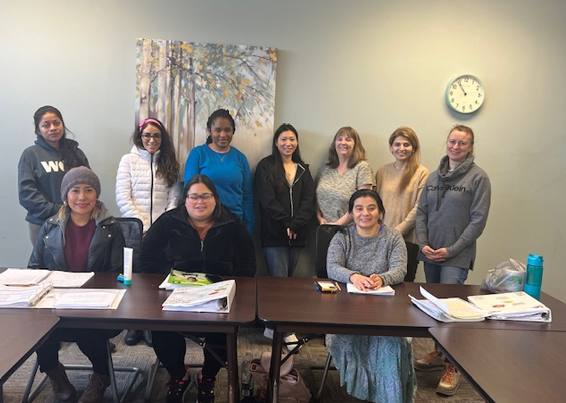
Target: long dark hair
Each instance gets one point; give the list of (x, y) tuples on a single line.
[(276, 170), (67, 149), (167, 164), (206, 181)]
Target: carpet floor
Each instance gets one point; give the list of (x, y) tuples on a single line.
[(250, 339)]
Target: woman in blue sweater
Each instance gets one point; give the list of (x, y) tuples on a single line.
[(225, 165)]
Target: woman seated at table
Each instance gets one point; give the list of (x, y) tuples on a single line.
[(371, 255), (82, 237), (200, 235)]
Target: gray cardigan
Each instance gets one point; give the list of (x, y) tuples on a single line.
[(453, 211), (384, 254)]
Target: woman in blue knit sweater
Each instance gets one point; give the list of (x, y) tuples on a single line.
[(225, 165)]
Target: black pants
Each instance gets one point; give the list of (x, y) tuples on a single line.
[(412, 262), (92, 342), (171, 347)]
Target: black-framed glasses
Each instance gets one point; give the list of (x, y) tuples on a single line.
[(147, 136)]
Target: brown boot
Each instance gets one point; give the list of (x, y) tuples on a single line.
[(63, 389), (94, 391)]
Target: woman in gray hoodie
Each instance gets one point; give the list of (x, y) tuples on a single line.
[(451, 215)]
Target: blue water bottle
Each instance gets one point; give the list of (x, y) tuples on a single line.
[(534, 276)]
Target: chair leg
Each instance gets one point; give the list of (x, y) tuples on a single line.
[(324, 375), (151, 379), (30, 392), (113, 386)]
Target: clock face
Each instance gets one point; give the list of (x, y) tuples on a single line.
[(465, 94)]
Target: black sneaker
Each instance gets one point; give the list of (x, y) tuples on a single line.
[(178, 387), (205, 392)]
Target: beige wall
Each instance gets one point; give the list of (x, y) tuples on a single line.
[(374, 65)]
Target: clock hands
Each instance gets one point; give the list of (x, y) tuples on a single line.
[(460, 84)]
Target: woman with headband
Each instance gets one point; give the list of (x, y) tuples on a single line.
[(147, 183)]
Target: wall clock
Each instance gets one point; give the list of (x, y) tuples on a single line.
[(465, 94)]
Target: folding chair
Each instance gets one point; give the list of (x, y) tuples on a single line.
[(132, 229), (324, 234), (31, 392)]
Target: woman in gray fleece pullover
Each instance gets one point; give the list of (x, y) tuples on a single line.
[(453, 211), (451, 216)]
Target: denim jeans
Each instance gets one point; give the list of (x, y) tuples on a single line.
[(281, 260), (435, 273)]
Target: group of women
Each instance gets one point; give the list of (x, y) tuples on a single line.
[(206, 225)]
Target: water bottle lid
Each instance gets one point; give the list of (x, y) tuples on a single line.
[(535, 260)]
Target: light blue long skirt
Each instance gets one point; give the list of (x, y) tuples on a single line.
[(374, 368)]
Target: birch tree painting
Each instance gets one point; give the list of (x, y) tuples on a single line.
[(182, 83)]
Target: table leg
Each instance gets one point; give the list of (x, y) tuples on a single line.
[(232, 358), (275, 367)]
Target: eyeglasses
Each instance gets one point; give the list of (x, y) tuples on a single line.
[(147, 136), (205, 197)]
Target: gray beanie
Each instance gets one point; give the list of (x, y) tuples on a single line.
[(79, 176)]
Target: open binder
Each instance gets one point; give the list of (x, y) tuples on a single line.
[(449, 309), (518, 306), (216, 298)]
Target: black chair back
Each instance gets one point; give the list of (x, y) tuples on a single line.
[(132, 228), (324, 234)]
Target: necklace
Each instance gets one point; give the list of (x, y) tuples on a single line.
[(221, 156)]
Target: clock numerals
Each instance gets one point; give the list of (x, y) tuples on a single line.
[(465, 94)]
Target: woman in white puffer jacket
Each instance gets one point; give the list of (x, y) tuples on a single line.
[(147, 182), (147, 185)]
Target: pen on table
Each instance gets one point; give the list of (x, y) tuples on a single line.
[(337, 285)]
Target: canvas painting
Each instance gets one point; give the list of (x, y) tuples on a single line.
[(182, 83)]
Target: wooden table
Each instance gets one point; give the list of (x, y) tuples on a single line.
[(21, 332), (293, 305), (510, 366), (141, 309)]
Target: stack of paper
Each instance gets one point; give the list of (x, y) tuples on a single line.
[(215, 297), (518, 306), (22, 296), (85, 299), (380, 291), (59, 279), (449, 309), (23, 276)]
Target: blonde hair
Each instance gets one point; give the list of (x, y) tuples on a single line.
[(358, 153), (415, 158)]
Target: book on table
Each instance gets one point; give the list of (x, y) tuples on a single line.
[(518, 306), (216, 298), (449, 309), (177, 278)]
